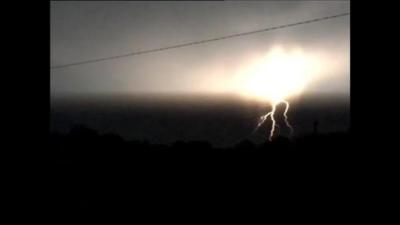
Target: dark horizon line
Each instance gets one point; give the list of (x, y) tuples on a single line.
[(279, 138)]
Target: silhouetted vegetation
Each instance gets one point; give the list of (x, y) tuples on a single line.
[(83, 143), (89, 167)]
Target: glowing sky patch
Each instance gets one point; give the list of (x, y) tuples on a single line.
[(277, 76)]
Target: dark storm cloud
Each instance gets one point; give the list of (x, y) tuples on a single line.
[(88, 30)]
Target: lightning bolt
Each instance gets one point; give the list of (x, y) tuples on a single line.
[(273, 122), (286, 118), (271, 115)]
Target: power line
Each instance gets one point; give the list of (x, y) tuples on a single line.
[(200, 42)]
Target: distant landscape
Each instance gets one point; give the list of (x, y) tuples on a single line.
[(96, 172), (113, 152), (221, 120)]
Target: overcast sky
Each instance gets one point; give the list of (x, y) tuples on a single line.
[(89, 30)]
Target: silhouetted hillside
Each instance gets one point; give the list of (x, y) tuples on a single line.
[(95, 171), (83, 143)]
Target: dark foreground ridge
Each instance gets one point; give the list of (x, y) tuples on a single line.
[(313, 174)]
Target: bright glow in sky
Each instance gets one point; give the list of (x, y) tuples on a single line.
[(278, 75), (248, 65)]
